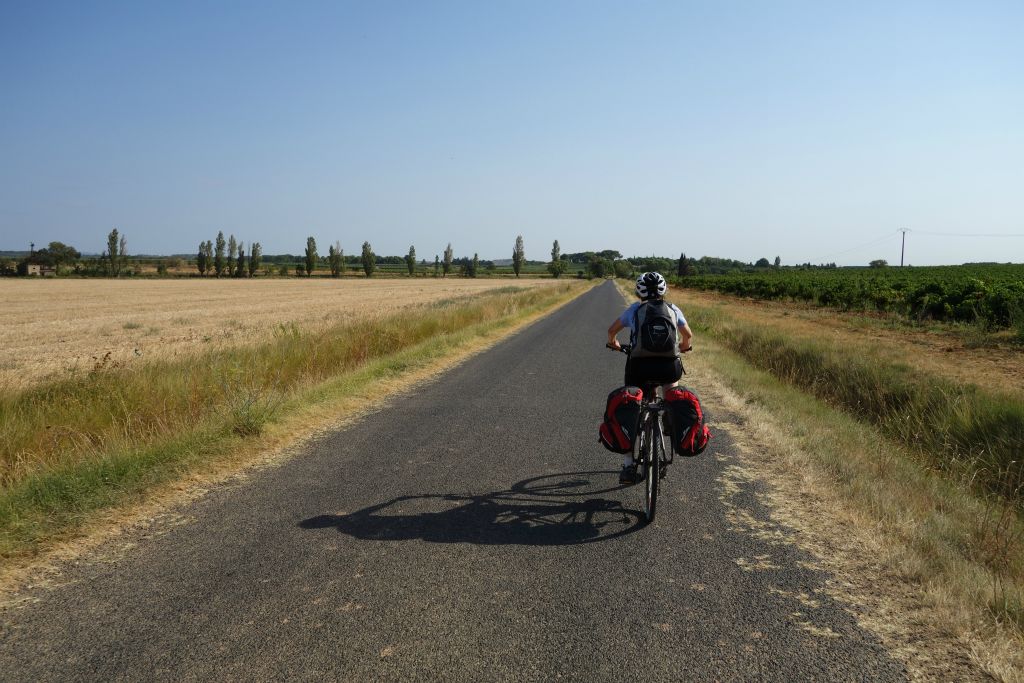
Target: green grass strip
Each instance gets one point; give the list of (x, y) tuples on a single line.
[(963, 428), (104, 440)]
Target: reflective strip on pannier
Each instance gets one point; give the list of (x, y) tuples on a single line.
[(621, 419)]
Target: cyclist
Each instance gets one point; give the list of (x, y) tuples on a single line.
[(665, 367)]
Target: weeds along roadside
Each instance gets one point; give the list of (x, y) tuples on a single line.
[(79, 445), (953, 524), (975, 434)]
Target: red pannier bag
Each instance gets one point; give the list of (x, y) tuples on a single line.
[(621, 419), (690, 435)]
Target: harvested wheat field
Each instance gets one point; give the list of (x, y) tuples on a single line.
[(58, 327)]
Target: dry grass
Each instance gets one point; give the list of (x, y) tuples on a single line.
[(58, 327), (318, 414), (71, 448)]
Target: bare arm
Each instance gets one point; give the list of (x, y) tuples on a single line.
[(615, 328), (685, 337)]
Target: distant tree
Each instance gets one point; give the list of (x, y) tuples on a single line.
[(207, 249), (232, 250), (437, 265), (369, 260), (518, 255), (311, 255), (218, 255), (111, 256), (201, 263), (255, 256), (762, 263), (879, 263), (683, 269), (62, 254), (622, 268), (597, 266), (240, 266), (778, 261), (447, 263), (300, 270), (474, 266), (122, 252), (336, 258), (557, 265), (410, 260), (282, 270)]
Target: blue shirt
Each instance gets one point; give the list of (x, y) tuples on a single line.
[(630, 313)]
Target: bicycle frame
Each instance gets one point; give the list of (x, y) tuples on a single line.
[(649, 450)]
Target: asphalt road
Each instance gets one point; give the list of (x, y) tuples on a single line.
[(473, 530)]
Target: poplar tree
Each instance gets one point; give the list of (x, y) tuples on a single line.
[(448, 259), (122, 253), (218, 255), (334, 258), (232, 249), (201, 263), (518, 255), (255, 256), (240, 269), (410, 260), (437, 265), (113, 262), (557, 265), (311, 256)]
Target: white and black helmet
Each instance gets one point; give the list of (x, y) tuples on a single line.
[(650, 284)]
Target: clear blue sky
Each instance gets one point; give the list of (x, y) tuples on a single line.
[(798, 129)]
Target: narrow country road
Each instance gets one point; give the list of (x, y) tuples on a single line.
[(473, 530)]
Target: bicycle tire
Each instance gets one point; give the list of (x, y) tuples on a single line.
[(651, 466)]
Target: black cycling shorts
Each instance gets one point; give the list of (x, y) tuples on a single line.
[(641, 371)]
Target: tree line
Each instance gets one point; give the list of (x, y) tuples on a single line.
[(228, 257)]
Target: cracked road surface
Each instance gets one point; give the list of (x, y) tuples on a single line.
[(471, 530)]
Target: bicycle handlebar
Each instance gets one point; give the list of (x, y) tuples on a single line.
[(626, 348)]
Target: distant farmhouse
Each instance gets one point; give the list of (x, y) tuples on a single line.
[(36, 270)]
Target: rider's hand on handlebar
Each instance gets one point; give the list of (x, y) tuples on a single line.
[(614, 344), (682, 350)]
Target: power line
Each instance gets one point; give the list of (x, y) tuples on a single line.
[(967, 234), (873, 242)]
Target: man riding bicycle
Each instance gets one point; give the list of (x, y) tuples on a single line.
[(654, 326)]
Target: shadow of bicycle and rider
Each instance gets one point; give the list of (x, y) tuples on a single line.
[(555, 509)]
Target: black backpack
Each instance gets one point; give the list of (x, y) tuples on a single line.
[(656, 332)]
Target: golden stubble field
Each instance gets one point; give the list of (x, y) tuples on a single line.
[(52, 328)]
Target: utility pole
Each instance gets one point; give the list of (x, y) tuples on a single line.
[(903, 246)]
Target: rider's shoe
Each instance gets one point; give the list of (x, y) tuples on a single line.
[(628, 474)]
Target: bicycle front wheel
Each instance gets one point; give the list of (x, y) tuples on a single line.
[(650, 465)]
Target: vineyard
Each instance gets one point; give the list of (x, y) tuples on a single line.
[(989, 295)]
